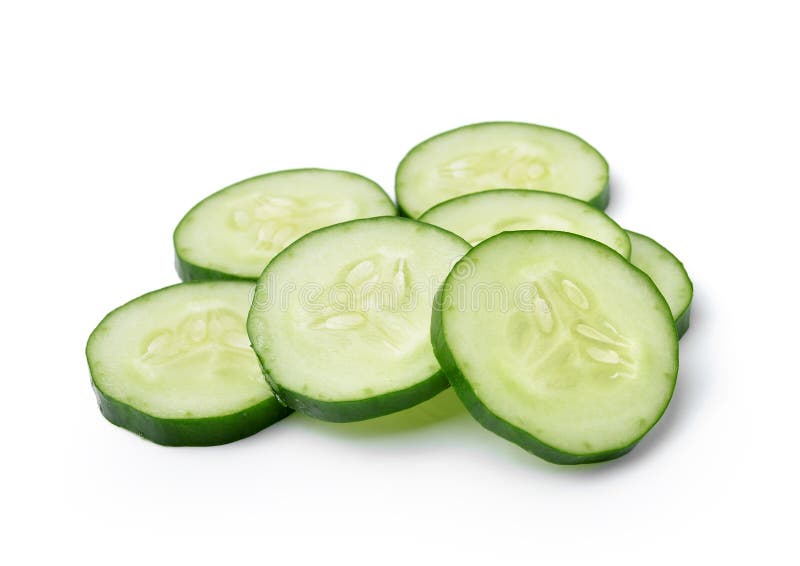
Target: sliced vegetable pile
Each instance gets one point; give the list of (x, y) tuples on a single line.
[(304, 291)]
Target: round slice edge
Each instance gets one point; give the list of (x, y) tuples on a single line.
[(573, 355), (493, 155), (236, 231), (175, 366), (669, 275), (341, 318), (478, 216)]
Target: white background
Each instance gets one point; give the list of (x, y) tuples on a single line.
[(116, 118)]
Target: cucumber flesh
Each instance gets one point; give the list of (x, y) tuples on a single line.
[(478, 216), (175, 366), (577, 364), (341, 318), (235, 232), (495, 155), (669, 275)]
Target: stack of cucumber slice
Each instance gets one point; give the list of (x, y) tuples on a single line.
[(503, 277)]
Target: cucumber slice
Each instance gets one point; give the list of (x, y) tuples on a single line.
[(495, 155), (669, 275), (235, 232), (478, 216), (175, 366), (341, 318), (556, 343)]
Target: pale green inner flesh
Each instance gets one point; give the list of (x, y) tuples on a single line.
[(182, 352), (240, 229), (479, 216), (502, 155), (664, 269), (563, 339), (345, 314)]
